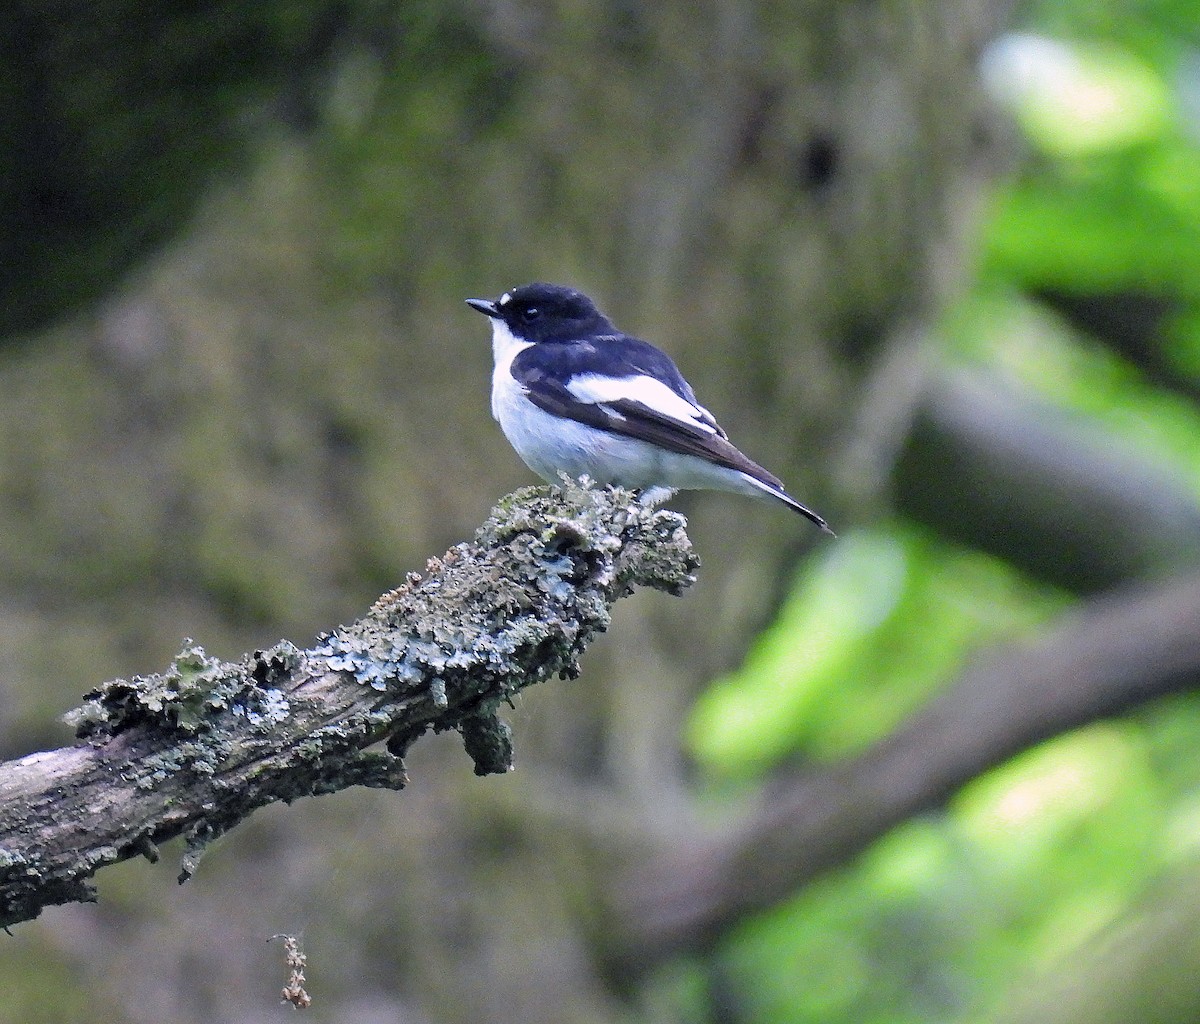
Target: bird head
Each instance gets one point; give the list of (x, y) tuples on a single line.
[(545, 312)]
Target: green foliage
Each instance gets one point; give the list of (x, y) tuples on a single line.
[(936, 920), (1021, 341), (1033, 859), (951, 915), (871, 630), (1110, 200)]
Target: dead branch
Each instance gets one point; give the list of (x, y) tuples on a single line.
[(193, 750)]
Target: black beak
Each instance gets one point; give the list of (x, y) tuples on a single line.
[(485, 306)]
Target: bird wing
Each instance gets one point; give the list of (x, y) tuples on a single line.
[(637, 358), (633, 390)]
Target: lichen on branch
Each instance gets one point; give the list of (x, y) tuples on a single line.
[(193, 750)]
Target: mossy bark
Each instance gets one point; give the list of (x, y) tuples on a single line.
[(194, 750)]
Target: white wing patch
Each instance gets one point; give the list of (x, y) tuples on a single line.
[(595, 389)]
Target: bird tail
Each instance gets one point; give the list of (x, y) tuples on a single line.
[(804, 510), (772, 488)]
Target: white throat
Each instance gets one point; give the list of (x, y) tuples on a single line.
[(505, 346)]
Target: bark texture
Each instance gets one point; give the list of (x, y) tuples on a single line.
[(195, 749)]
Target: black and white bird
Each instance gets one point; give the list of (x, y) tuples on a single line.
[(574, 395)]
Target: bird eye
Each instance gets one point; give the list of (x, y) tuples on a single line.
[(530, 314)]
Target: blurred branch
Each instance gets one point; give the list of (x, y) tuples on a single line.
[(997, 471), (194, 750), (1135, 324), (1120, 652)]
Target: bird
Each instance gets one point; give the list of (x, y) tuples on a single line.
[(575, 395)]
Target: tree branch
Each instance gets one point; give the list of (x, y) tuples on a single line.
[(194, 750), (1000, 471), (1123, 651)]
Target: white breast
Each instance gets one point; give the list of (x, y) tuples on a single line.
[(547, 444), (505, 347)]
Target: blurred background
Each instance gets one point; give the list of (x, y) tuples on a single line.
[(936, 264)]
